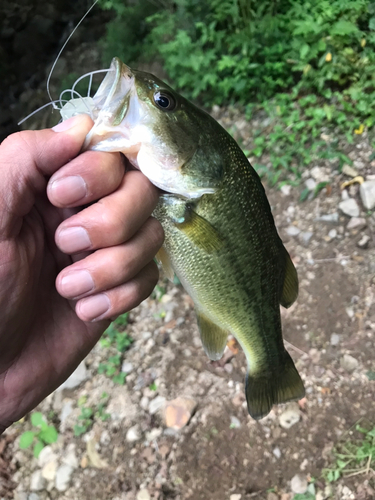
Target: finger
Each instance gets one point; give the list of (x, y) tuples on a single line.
[(111, 221), (110, 267), (26, 158), (88, 177), (120, 299)]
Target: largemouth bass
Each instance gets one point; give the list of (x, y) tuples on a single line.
[(220, 236)]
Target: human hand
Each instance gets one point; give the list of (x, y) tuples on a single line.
[(55, 300)]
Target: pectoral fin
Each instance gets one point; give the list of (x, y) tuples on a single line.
[(165, 261), (214, 338), (290, 287), (200, 231)]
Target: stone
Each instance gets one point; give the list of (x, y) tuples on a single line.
[(305, 237), (178, 412), (348, 363), (332, 234), (79, 375), (272, 496), (349, 207), (276, 451), (127, 367), (335, 339), (310, 184), (33, 496), (299, 484), (356, 223), (133, 434), (49, 470), (37, 481), (46, 455), (364, 241), (293, 230), (156, 404), (153, 434), (143, 495), (285, 189), (235, 496), (234, 422), (367, 192), (70, 457), (66, 410), (334, 217), (349, 171), (290, 416), (63, 477)]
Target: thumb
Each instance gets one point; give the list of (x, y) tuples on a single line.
[(27, 158)]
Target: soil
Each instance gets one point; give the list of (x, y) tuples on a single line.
[(222, 452)]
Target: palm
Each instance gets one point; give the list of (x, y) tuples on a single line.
[(49, 339)]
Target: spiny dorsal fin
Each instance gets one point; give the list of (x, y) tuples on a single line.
[(165, 261), (263, 392), (200, 232), (290, 287), (214, 338)]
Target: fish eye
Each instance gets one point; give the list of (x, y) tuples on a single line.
[(164, 101)]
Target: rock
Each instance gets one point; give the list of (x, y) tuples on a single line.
[(334, 217), (272, 496), (46, 455), (359, 164), (79, 375), (70, 457), (22, 495), (299, 484), (66, 411), (154, 434), (335, 339), (364, 241), (305, 237), (178, 412), (293, 230), (276, 451), (235, 496), (144, 403), (49, 470), (356, 223), (63, 477), (310, 184), (349, 207), (234, 423), (127, 367), (37, 481), (332, 234), (33, 496), (349, 171), (348, 363), (133, 434), (156, 404), (285, 189), (143, 495), (367, 192), (290, 416)]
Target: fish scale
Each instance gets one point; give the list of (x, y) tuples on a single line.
[(220, 236)]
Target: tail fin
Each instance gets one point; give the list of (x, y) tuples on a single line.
[(263, 392)]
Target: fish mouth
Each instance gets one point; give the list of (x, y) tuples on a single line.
[(111, 104)]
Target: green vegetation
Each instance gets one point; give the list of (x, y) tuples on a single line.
[(42, 435), (308, 66), (115, 339), (354, 455), (89, 415)]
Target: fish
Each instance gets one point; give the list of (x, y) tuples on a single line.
[(220, 235)]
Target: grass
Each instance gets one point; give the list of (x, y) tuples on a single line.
[(355, 455)]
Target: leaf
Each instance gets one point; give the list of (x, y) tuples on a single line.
[(328, 57), (360, 129), (305, 193), (371, 375), (38, 448), (304, 51), (26, 439), (37, 419), (49, 435)]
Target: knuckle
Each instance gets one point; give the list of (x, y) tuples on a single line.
[(156, 232)]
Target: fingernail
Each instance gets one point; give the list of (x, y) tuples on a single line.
[(94, 307), (73, 239), (68, 189), (76, 283), (70, 123)]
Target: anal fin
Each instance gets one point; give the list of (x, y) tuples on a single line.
[(262, 392), (214, 338), (290, 287)]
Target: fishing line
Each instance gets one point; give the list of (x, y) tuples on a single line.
[(61, 51), (42, 107)]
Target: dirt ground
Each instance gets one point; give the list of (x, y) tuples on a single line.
[(222, 453)]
